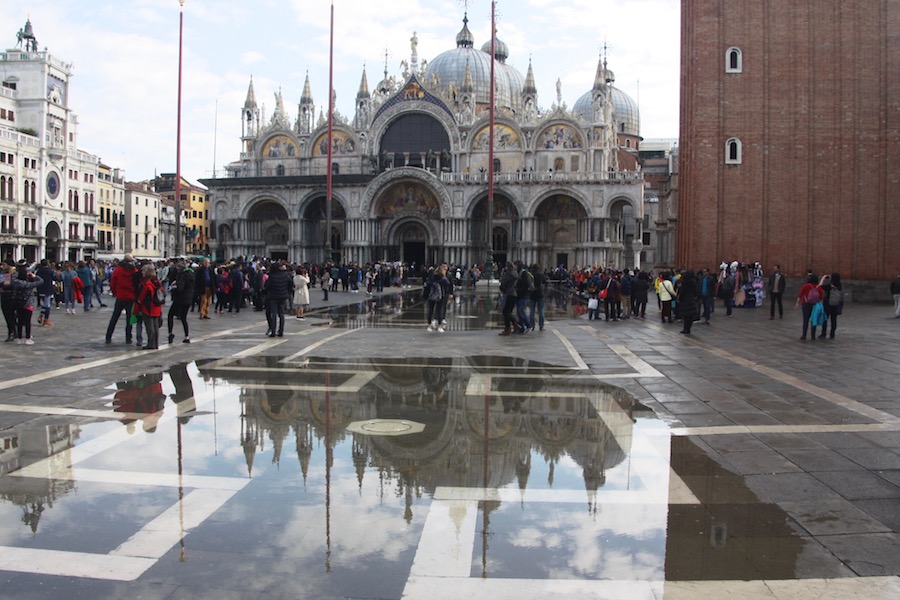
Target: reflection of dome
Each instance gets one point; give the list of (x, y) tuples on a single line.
[(450, 69), (627, 115)]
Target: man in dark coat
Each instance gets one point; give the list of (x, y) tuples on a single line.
[(182, 292), (279, 288)]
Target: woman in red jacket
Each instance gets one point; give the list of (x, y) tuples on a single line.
[(146, 309), (810, 294)]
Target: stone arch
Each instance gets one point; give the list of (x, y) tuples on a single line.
[(508, 207), (502, 128), (559, 134), (383, 181), (267, 197), (582, 202), (392, 114), (279, 144), (344, 143)]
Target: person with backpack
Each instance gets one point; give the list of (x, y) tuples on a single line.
[(832, 302), (438, 290), (124, 283), (524, 287), (278, 289), (182, 291), (808, 298), (537, 297), (23, 284), (147, 307)]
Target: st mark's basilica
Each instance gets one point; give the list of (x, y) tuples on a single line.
[(410, 171)]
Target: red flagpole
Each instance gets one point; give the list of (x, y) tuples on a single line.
[(490, 169), (328, 175), (178, 237)]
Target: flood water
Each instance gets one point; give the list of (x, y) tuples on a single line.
[(320, 477)]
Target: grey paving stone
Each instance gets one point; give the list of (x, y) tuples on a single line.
[(789, 487), (858, 484), (832, 517), (873, 458), (872, 554), (819, 460)]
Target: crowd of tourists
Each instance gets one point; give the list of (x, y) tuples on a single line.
[(144, 292)]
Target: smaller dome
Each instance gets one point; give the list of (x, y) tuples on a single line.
[(501, 50), (465, 39), (627, 116)]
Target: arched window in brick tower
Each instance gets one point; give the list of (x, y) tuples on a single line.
[(734, 60), (733, 152)]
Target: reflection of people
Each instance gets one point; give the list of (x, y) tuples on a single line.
[(143, 399), (184, 392)]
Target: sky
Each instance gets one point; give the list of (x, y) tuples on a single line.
[(125, 61)]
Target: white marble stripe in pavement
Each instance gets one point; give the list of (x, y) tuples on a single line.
[(571, 349), (448, 537), (153, 479), (739, 429), (453, 588), (165, 531), (823, 393), (439, 588), (638, 364), (318, 344), (73, 564)]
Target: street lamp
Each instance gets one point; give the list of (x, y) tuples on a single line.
[(178, 137)]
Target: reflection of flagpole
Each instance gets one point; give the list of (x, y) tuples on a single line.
[(183, 557), (329, 458), (485, 476), (328, 173)]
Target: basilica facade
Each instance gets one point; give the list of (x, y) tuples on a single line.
[(410, 171)]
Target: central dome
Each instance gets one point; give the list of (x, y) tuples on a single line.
[(447, 71)]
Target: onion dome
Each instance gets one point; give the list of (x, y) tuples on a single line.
[(447, 71)]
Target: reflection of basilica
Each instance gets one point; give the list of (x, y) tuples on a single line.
[(26, 446), (486, 440), (410, 171)]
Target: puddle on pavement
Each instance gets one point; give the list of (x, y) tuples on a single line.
[(468, 311), (341, 462)]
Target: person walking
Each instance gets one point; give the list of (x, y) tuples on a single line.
[(68, 280), (301, 291), (895, 291), (182, 291), (84, 274), (278, 287), (666, 291), (537, 297), (808, 297), (727, 289), (438, 291), (640, 288), (23, 285), (206, 284), (832, 301), (707, 294), (237, 288), (149, 311), (508, 296), (776, 291), (6, 299), (45, 291), (688, 300), (524, 287), (124, 284)]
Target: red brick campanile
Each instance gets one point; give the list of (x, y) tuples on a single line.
[(807, 92)]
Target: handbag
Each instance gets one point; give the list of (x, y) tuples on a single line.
[(593, 303), (605, 291)]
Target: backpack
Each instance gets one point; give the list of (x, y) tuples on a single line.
[(835, 297), (436, 293), (159, 296), (813, 296)]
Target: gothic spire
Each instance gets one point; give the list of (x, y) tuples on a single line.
[(250, 102), (363, 86), (306, 97), (530, 85)]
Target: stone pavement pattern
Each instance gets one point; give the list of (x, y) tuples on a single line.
[(779, 474)]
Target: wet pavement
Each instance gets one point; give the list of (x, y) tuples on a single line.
[(360, 456)]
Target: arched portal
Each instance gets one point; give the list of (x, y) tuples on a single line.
[(408, 215), (52, 235), (505, 228), (558, 219), (267, 233), (412, 239), (313, 224)]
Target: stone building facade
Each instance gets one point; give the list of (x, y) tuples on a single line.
[(410, 172)]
